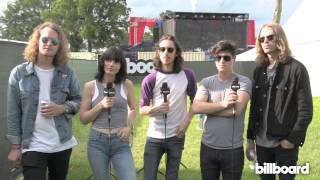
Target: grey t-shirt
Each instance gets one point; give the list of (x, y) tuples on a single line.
[(218, 130), (262, 139)]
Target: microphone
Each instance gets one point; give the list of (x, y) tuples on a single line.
[(109, 91), (165, 90), (235, 86)]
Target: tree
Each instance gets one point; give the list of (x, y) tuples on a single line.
[(277, 12), (105, 22), (99, 23), (148, 36), (21, 17), (65, 13)]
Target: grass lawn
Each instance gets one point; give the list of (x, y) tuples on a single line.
[(80, 169)]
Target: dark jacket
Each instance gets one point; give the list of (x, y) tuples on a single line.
[(290, 109)]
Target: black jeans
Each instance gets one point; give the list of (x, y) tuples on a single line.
[(35, 165), (280, 156), (154, 149), (214, 161)]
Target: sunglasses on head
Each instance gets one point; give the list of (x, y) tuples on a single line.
[(225, 58), (269, 38), (54, 41), (169, 49)]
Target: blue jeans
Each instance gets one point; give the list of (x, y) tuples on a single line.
[(100, 151), (215, 161), (154, 149), (283, 157)]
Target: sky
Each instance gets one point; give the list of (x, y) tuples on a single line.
[(259, 10)]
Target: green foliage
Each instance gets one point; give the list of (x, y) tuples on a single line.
[(21, 17), (65, 13), (148, 36), (104, 22), (98, 23)]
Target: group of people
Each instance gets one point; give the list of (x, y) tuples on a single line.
[(44, 94)]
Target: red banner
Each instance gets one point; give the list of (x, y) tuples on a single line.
[(251, 33), (136, 29)]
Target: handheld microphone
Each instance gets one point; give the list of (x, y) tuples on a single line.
[(165, 90), (235, 86), (109, 91)]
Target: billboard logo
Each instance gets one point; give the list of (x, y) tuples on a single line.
[(273, 168), (139, 67)]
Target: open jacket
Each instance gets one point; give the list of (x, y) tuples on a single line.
[(23, 100), (290, 108)]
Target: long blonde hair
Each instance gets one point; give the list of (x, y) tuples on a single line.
[(281, 44), (31, 51)]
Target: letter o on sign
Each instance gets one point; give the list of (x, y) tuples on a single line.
[(149, 66), (132, 67), (141, 67)]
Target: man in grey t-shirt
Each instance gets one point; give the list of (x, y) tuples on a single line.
[(222, 140)]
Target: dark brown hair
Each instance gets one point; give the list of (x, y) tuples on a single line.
[(224, 46), (178, 60)]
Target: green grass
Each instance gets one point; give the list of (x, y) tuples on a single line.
[(80, 169)]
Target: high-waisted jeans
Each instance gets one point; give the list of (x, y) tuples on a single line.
[(101, 151)]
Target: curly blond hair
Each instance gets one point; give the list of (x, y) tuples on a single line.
[(31, 51), (281, 44)]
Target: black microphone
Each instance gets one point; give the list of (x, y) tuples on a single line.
[(109, 91), (165, 90), (235, 86)]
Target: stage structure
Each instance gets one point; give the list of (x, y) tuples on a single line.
[(202, 30)]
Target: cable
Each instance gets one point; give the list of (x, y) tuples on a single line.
[(232, 142), (109, 135), (165, 144)]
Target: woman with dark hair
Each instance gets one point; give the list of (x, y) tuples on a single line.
[(169, 120), (112, 121)]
